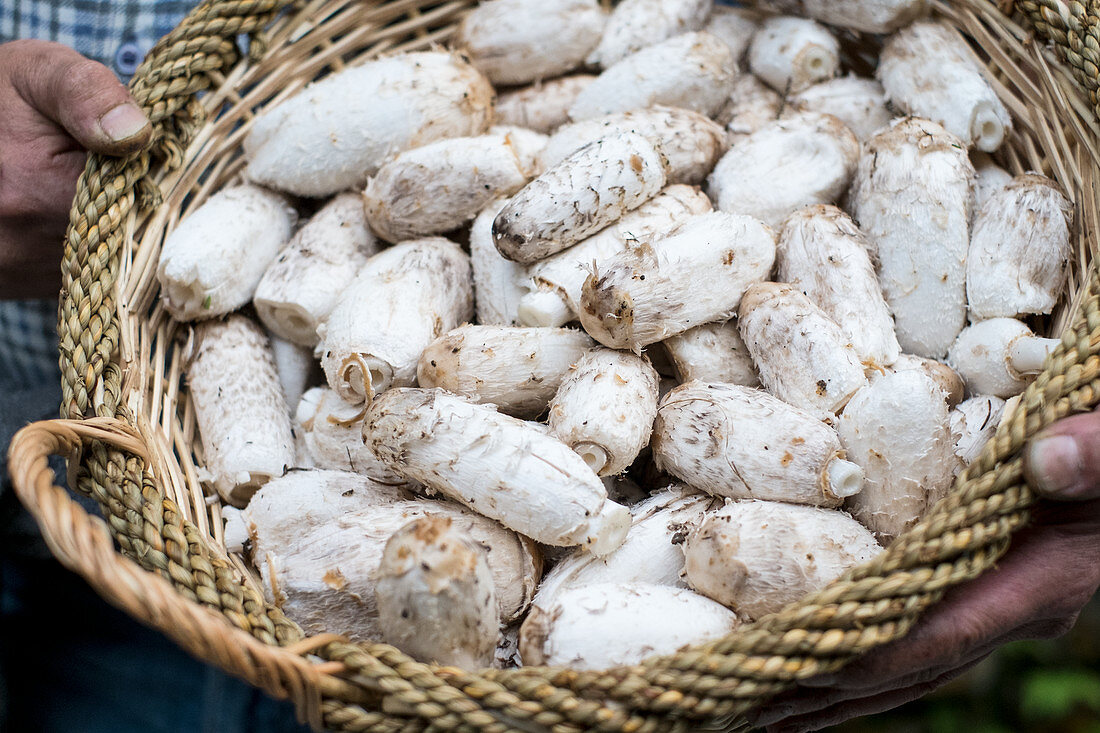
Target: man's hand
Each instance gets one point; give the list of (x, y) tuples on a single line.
[(1035, 592), (54, 106)]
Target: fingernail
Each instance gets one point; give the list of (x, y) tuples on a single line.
[(123, 122), (1055, 466)]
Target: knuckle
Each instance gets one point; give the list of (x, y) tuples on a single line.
[(34, 188), (971, 632), (23, 48), (85, 79)]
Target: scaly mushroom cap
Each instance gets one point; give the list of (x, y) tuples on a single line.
[(857, 102), (691, 70), (300, 287), (557, 281), (738, 442), (637, 296), (440, 186), (604, 408), (500, 466), (757, 556), (690, 140), (212, 262), (579, 196), (404, 298), (802, 159), (611, 624), (242, 415), (898, 430), (801, 354), (635, 24), (521, 41), (791, 53), (357, 119), (517, 369), (542, 107), (928, 70), (822, 253), (912, 198), (435, 595), (1019, 249)]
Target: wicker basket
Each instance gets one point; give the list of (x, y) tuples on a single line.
[(130, 429)]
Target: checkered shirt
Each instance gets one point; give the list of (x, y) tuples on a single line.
[(118, 34)]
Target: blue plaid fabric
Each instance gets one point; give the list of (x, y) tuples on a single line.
[(118, 34), (28, 343)]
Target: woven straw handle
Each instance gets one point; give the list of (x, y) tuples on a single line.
[(376, 687), (83, 543)]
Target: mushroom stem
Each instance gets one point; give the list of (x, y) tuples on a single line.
[(544, 307), (1026, 354)]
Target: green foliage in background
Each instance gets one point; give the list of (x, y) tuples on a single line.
[(1024, 687)]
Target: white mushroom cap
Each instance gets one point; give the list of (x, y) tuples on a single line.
[(521, 41), (1019, 249), (735, 26), (791, 53), (541, 107), (517, 369), (606, 625), (752, 104), (990, 178), (898, 430), (213, 260), (802, 159), (948, 379), (857, 102), (928, 70), (691, 70), (690, 140), (358, 118), (738, 442), (757, 556), (999, 356), (635, 24), (911, 196), (803, 357), (650, 554), (435, 595), (503, 467)]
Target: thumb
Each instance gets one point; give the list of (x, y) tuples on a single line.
[(80, 95), (1063, 461)]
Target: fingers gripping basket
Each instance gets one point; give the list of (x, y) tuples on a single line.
[(130, 430)]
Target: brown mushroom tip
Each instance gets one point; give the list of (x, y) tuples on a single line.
[(759, 293), (607, 313), (532, 637)]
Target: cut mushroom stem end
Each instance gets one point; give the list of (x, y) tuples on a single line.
[(544, 308), (594, 455), (844, 478), (986, 128), (607, 530), (364, 377)]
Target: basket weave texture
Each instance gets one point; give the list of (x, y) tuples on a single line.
[(129, 430)]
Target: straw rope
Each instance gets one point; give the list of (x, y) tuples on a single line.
[(171, 575)]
